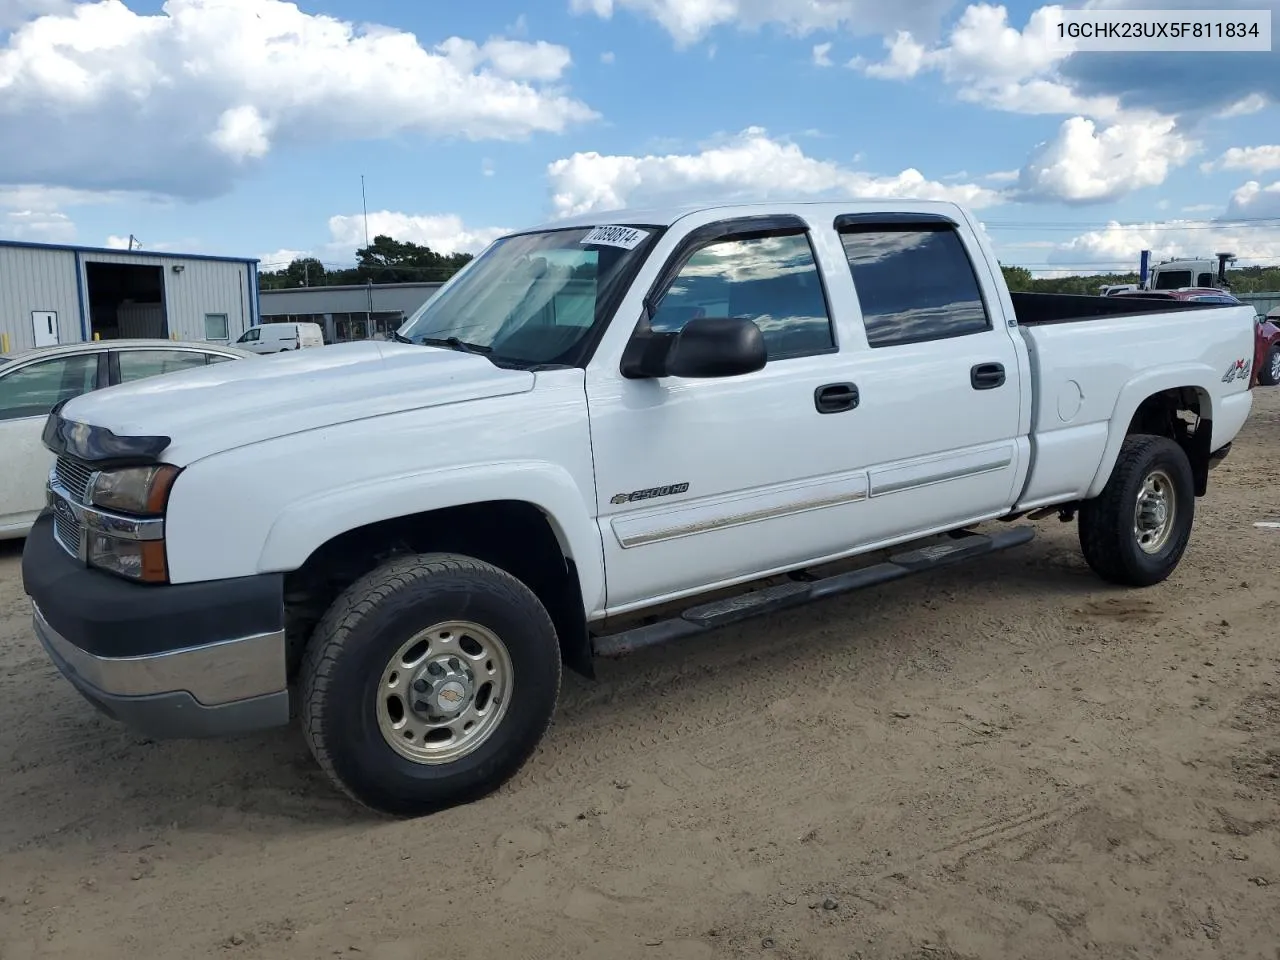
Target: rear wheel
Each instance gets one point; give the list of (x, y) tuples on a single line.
[(1269, 375), (429, 683), (1135, 531)]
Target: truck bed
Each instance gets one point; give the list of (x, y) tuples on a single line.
[(1094, 358), (1033, 309)]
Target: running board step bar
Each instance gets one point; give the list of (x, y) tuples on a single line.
[(722, 613)]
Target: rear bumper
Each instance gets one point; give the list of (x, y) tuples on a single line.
[(187, 660)]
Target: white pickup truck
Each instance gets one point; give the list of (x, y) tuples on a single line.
[(603, 434)]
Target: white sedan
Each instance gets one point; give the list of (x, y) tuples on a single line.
[(31, 383)]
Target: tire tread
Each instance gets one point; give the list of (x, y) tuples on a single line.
[(320, 660), (1105, 533)]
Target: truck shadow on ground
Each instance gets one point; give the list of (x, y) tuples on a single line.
[(269, 782)]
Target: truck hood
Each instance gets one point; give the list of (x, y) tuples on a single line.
[(238, 402)]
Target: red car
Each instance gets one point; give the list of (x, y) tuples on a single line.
[(1266, 351)]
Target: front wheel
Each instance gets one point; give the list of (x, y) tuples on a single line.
[(1269, 375), (1135, 531), (429, 683)]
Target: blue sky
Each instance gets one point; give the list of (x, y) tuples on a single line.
[(244, 126)]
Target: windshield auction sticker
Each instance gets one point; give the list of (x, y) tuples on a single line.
[(628, 238)]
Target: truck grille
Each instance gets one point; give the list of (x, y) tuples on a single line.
[(66, 530), (74, 477)]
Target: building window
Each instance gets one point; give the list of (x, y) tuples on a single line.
[(216, 327)]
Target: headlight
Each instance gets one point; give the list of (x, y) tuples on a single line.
[(136, 559), (125, 532), (136, 490)]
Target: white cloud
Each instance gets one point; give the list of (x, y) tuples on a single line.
[(607, 57), (487, 168), (749, 165), (1100, 153), (114, 242), (994, 64), (822, 55), (1253, 103), (1200, 208), (279, 259), (1083, 164), (14, 13), (1253, 200), (178, 102), (38, 226), (515, 59), (444, 233), (688, 21), (242, 133), (36, 213), (1122, 244), (1253, 159)]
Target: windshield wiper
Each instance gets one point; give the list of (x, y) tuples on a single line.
[(453, 343), (395, 335)]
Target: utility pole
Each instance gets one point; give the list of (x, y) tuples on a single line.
[(364, 204)]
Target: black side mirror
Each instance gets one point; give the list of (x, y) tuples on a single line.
[(705, 347)]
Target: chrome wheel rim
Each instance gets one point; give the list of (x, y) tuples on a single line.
[(1154, 512), (444, 692), (1275, 365)]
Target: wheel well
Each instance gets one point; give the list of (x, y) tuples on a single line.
[(1180, 415), (513, 535)]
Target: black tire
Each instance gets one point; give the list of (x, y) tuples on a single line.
[(1106, 525), (1269, 375), (355, 642)]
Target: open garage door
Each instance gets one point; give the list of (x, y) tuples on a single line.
[(126, 300)]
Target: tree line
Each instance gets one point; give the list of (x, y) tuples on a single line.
[(385, 260), (1244, 280)]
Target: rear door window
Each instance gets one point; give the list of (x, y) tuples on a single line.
[(141, 364), (915, 283)]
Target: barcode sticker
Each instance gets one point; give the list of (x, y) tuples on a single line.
[(628, 238)]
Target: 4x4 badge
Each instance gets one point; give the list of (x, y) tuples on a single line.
[(1237, 371)]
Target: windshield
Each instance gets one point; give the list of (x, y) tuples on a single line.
[(533, 298)]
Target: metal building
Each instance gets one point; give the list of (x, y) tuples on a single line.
[(63, 294), (359, 312)]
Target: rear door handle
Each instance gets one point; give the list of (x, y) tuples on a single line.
[(836, 397), (986, 376)]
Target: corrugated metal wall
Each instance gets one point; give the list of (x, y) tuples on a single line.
[(201, 287), (140, 320), (31, 279), (389, 297), (39, 278)]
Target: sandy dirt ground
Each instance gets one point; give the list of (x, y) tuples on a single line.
[(1007, 760)]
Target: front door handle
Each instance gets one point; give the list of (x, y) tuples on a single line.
[(986, 376), (836, 397)]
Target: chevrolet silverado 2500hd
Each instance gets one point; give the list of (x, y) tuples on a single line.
[(601, 434)]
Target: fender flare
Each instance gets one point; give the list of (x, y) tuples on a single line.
[(1196, 376), (307, 524)]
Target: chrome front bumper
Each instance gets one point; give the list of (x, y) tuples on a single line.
[(219, 689)]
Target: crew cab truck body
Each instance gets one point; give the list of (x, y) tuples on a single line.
[(402, 542)]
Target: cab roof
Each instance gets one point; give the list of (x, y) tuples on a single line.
[(665, 216)]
